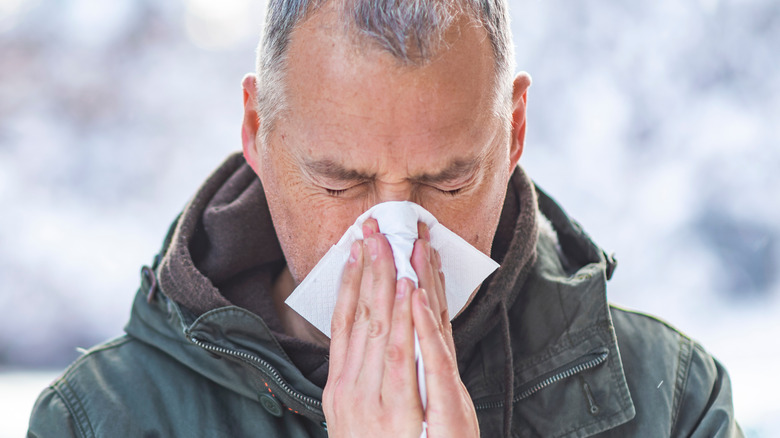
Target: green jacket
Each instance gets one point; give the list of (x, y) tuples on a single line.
[(548, 345)]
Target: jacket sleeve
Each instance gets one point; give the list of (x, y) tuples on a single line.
[(705, 406), (51, 417)]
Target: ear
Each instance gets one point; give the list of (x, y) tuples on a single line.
[(251, 123), (519, 100)]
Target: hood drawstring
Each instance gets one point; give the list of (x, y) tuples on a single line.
[(509, 374)]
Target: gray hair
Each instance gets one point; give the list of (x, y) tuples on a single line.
[(411, 30)]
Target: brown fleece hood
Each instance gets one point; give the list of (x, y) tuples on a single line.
[(224, 251)]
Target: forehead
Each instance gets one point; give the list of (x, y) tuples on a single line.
[(360, 102)]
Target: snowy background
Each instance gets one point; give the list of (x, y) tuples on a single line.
[(655, 123)]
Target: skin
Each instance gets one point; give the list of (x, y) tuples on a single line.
[(360, 129)]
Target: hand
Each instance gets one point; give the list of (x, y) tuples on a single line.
[(372, 382), (372, 385), (450, 411)]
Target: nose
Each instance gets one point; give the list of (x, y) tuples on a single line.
[(401, 191)]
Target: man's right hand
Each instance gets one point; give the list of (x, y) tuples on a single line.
[(372, 382)]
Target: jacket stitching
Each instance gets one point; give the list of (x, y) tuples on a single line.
[(274, 396), (117, 342), (653, 318), (683, 368), (562, 347), (67, 394), (76, 409), (618, 373)]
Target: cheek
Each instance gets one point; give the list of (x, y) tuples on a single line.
[(475, 217), (307, 224)]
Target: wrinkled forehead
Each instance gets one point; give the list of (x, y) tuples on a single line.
[(336, 89)]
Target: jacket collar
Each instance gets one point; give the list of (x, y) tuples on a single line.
[(230, 346), (553, 289), (568, 376)]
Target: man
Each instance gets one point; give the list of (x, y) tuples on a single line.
[(356, 103)]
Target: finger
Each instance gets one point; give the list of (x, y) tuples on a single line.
[(441, 291), (423, 264), (437, 292), (383, 291), (344, 311), (446, 322), (444, 314), (399, 380), (441, 370), (359, 329), (423, 232), (369, 227)]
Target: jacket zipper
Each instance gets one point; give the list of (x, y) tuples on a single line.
[(268, 369), (576, 368), (600, 358)]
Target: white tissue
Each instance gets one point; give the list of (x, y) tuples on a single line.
[(464, 266)]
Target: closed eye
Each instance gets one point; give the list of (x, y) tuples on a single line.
[(339, 192), (333, 192), (356, 188)]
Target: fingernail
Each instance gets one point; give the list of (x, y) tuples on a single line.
[(427, 251), (367, 231), (427, 233), (354, 251), (370, 226), (372, 247), (402, 289)]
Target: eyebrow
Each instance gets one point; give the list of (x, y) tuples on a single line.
[(330, 169), (455, 170)]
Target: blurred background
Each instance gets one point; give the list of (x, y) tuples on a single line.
[(655, 123)]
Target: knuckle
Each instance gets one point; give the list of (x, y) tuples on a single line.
[(376, 328), (339, 393), (338, 324), (362, 313), (394, 353), (447, 326), (332, 396), (449, 367)]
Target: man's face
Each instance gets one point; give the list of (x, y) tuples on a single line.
[(360, 129)]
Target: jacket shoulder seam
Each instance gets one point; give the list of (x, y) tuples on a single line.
[(63, 390), (685, 350), (108, 345), (650, 317), (683, 371)]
